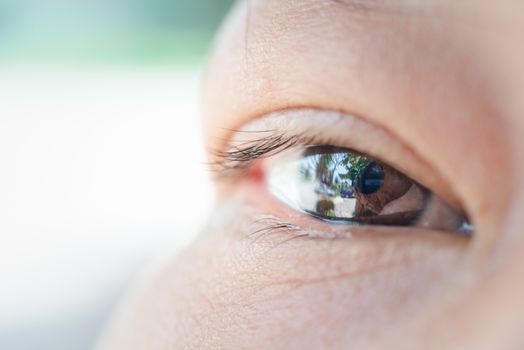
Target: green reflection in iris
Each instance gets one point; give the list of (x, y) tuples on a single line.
[(336, 173)]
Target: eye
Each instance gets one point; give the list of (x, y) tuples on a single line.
[(343, 186)]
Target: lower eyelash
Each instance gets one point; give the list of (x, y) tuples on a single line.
[(270, 225)]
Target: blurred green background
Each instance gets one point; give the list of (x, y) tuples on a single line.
[(140, 32)]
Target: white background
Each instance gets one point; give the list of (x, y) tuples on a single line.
[(101, 171)]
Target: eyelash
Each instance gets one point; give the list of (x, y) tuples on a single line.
[(239, 157), (272, 225)]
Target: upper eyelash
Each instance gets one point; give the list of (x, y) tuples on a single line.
[(241, 154)]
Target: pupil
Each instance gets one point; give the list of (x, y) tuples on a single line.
[(370, 179)]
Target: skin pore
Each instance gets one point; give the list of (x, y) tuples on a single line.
[(432, 88)]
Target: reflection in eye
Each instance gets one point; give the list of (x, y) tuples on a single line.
[(344, 186)]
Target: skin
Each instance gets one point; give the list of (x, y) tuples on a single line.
[(436, 85)]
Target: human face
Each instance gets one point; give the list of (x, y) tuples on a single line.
[(432, 88)]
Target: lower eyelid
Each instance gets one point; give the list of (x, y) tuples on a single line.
[(333, 254), (270, 217)]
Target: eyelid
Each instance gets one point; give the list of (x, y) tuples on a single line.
[(304, 127)]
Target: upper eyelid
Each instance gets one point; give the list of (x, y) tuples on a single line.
[(308, 126), (235, 153)]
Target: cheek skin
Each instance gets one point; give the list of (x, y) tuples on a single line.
[(229, 291)]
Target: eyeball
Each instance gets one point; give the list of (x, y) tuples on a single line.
[(343, 186)]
